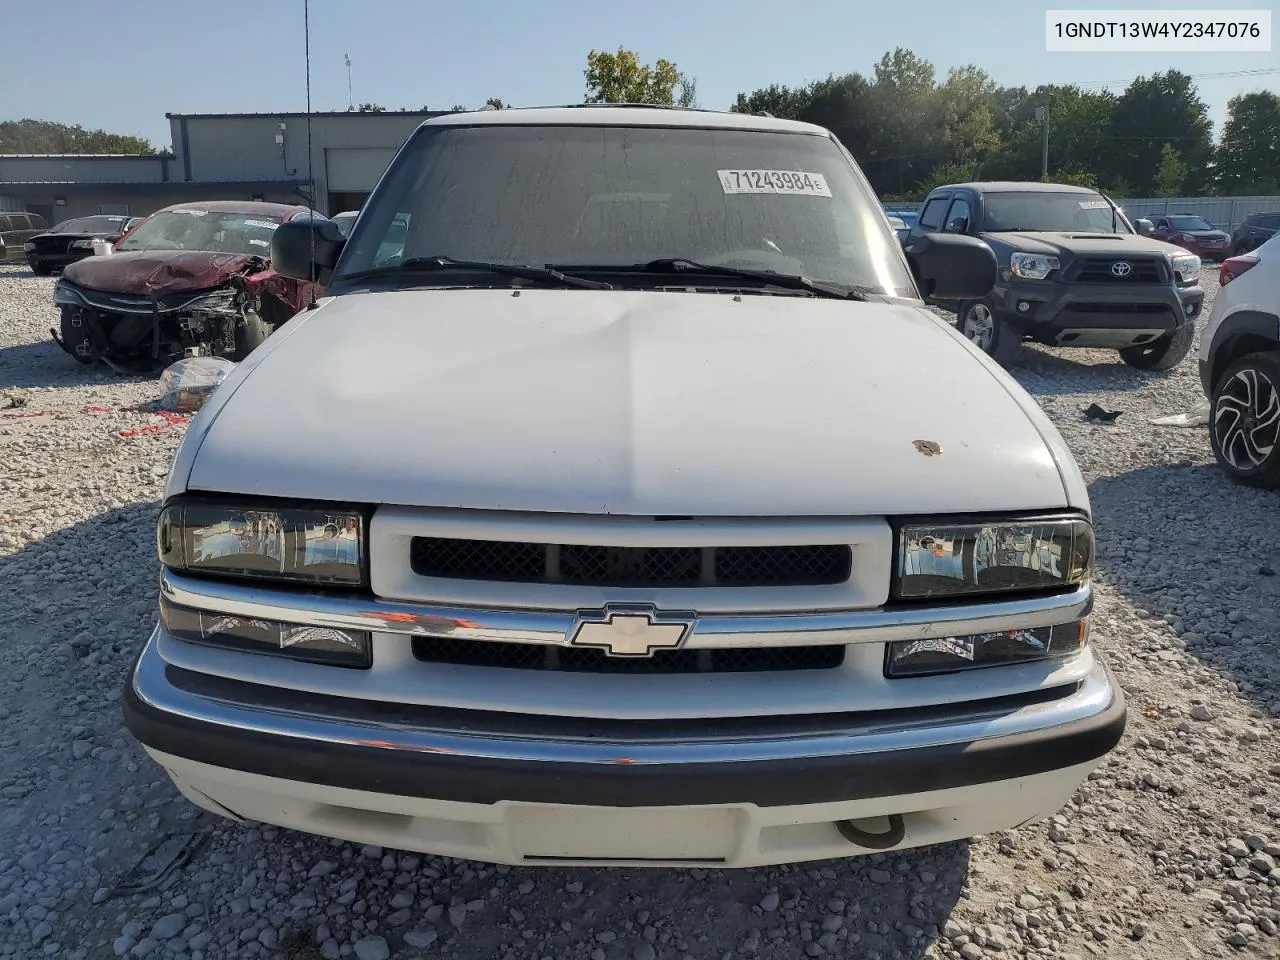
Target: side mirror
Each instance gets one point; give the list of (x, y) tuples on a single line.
[(1143, 225), (292, 244), (951, 266)]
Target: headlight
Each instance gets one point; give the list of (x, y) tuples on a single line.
[(946, 561), (309, 545), (1032, 266), (82, 244), (916, 658), (65, 295), (343, 648), (28, 247), (1186, 265)]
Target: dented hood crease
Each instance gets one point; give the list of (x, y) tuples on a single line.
[(160, 271), (637, 403)]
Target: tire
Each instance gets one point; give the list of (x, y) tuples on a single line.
[(40, 271), (75, 336), (250, 334), (1162, 354), (984, 327), (1244, 420)]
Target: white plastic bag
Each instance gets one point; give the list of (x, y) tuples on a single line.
[(187, 384), (1197, 416)]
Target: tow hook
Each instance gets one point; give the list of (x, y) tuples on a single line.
[(874, 841)]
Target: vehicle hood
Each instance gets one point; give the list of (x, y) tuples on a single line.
[(638, 403), (157, 271), (79, 235), (1206, 234), (1082, 244)]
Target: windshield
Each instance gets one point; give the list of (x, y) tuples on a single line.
[(102, 225), (1191, 223), (602, 196), (248, 233), (1050, 212)]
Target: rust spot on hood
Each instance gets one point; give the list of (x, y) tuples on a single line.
[(929, 448)]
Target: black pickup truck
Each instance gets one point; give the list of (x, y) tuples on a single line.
[(1072, 272)]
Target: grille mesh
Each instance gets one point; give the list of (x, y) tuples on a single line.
[(579, 565), (1099, 271), (532, 656)]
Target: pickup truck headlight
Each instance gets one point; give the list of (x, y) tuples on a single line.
[(916, 658), (947, 561), (315, 545), (81, 244), (28, 247), (1032, 266), (1186, 265)]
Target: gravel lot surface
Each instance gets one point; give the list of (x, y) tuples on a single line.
[(1169, 851)]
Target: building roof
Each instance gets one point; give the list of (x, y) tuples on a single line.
[(81, 156), (625, 115)]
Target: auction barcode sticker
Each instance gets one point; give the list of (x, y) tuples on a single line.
[(774, 181)]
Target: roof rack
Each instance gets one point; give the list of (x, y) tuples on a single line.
[(765, 113)]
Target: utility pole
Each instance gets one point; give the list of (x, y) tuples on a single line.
[(1042, 115), (351, 104)]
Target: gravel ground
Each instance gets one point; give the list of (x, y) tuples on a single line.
[(1168, 851)]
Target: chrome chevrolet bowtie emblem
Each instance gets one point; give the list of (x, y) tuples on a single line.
[(630, 632), (1121, 268)]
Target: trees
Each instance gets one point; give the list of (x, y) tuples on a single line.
[(621, 78), (1153, 111), (1248, 156), (371, 108), (1171, 174), (44, 136)]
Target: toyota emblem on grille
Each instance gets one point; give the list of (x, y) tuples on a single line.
[(1121, 268), (630, 631)]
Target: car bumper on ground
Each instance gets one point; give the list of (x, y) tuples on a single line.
[(1097, 315), (409, 780)]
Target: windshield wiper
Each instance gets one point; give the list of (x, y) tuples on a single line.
[(544, 275), (789, 281)]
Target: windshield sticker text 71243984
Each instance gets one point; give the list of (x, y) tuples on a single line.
[(774, 181)]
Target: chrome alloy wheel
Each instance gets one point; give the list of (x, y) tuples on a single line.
[(1246, 419), (979, 326)]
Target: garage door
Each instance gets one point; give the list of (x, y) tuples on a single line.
[(356, 170)]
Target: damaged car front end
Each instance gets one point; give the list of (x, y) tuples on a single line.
[(191, 281), (139, 333)]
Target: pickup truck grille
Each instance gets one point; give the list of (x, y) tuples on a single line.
[(534, 656), (602, 566), (1098, 270)]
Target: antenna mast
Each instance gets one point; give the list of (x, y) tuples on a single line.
[(351, 103)]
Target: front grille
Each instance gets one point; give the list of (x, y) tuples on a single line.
[(52, 246), (1098, 270), (535, 656), (581, 565)]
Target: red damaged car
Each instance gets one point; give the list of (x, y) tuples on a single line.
[(193, 275)]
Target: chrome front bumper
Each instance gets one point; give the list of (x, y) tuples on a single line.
[(488, 758)]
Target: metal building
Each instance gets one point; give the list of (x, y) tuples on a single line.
[(217, 156)]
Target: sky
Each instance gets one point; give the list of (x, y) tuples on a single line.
[(122, 65)]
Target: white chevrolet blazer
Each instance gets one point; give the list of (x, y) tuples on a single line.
[(620, 502)]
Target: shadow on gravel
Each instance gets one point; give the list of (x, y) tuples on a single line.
[(9, 271), (1042, 373), (80, 601), (45, 364), (1189, 545)]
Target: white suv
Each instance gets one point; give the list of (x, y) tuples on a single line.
[(597, 515), (1240, 367)]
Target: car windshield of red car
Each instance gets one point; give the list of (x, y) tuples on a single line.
[(1190, 223), (216, 231)]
